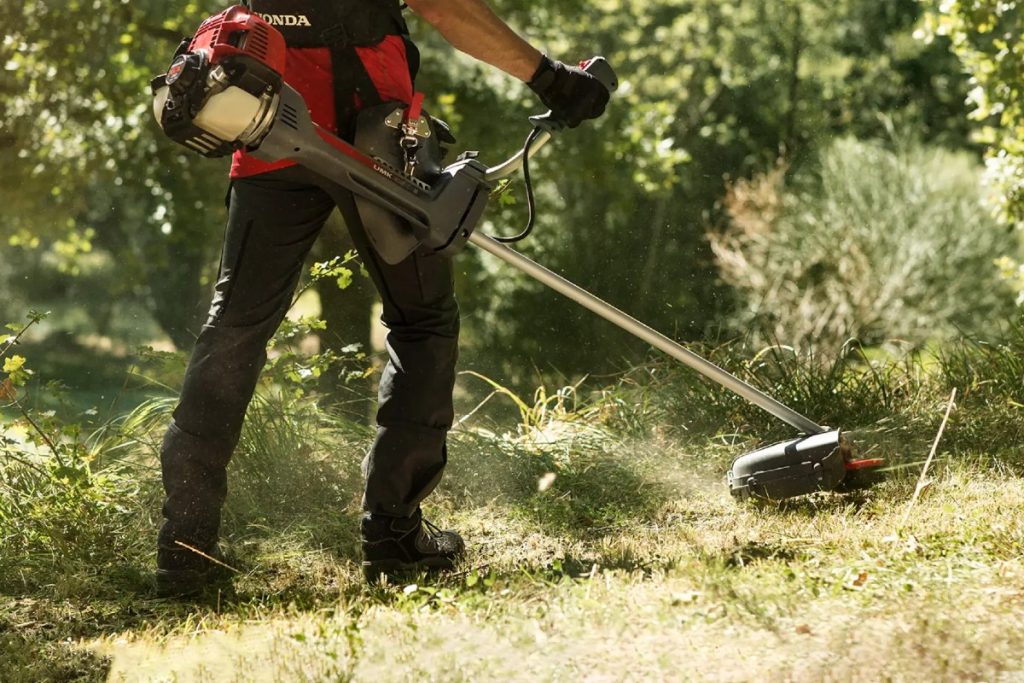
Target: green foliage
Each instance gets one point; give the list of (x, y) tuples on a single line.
[(85, 177), (72, 502), (58, 517), (335, 268), (16, 371), (885, 398), (710, 91), (34, 658), (296, 465), (14, 366), (293, 369), (104, 211), (544, 410), (58, 511), (988, 37), (876, 245), (987, 376), (560, 461)]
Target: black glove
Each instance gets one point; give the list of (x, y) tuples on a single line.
[(572, 95)]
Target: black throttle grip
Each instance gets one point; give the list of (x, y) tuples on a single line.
[(597, 67)]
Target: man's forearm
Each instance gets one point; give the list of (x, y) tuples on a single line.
[(472, 27)]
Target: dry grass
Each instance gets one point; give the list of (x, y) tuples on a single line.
[(829, 588), (601, 549)]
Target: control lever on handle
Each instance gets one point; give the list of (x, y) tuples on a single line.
[(599, 68)]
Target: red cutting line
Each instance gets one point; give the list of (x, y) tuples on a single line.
[(864, 464)]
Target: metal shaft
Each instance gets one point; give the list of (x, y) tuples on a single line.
[(649, 335), (516, 161)]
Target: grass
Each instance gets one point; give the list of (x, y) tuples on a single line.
[(604, 545)]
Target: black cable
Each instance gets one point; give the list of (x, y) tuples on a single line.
[(530, 203)]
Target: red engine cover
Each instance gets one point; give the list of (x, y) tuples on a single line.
[(238, 32)]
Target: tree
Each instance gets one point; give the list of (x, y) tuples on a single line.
[(988, 36), (711, 91), (82, 163)]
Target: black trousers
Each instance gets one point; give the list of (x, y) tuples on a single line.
[(273, 222)]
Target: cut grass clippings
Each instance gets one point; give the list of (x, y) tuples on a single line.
[(822, 590)]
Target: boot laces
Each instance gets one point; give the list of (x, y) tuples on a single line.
[(432, 536), (431, 530), (436, 540)]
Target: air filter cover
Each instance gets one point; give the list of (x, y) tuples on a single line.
[(790, 468)]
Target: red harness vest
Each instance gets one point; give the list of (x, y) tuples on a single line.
[(342, 55)]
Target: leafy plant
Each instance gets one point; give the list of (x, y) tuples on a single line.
[(987, 36), (291, 368), (58, 511), (881, 243)]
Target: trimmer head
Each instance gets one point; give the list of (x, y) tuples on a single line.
[(794, 468)]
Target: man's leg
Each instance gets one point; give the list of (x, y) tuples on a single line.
[(415, 408), (273, 221)]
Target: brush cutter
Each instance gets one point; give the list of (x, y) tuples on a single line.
[(224, 91)]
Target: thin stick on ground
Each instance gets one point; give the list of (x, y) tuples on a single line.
[(922, 481), (200, 553), (464, 418)]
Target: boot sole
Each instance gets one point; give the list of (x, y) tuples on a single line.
[(184, 583), (395, 569)]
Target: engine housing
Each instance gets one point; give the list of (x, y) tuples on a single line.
[(221, 91)]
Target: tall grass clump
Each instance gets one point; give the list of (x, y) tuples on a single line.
[(989, 377), (873, 242), (63, 503), (888, 394), (297, 464), (567, 462), (79, 508), (73, 509)]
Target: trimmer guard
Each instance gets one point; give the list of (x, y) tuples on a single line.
[(790, 468)]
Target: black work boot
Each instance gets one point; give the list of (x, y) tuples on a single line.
[(181, 572), (394, 546)]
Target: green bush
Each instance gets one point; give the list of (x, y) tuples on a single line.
[(877, 244), (990, 380)]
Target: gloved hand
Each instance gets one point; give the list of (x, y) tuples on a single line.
[(572, 95)]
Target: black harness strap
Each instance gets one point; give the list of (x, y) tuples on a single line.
[(341, 26), (359, 23)]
